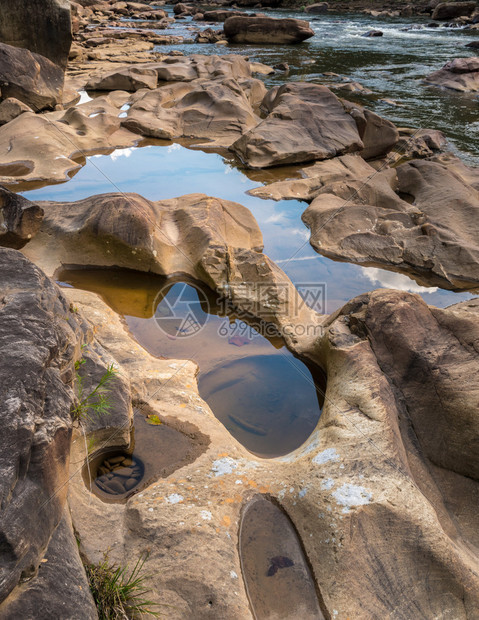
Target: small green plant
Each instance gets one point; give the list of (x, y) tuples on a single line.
[(117, 594), (97, 401)]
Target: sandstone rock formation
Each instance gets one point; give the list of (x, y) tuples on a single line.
[(10, 108), (371, 471), (305, 122), (460, 74), (128, 78), (266, 30), (46, 148), (40, 339), (20, 219), (415, 219), (214, 111), (41, 26), (451, 10), (29, 77)]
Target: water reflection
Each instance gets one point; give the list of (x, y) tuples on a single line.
[(267, 399), (158, 173)]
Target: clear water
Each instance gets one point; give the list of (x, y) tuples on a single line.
[(159, 172), (268, 400)]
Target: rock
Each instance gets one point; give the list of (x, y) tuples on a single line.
[(162, 237), (128, 78), (378, 134), (451, 10), (41, 26), (11, 108), (375, 463), (373, 33), (282, 66), (209, 36), (20, 219), (473, 44), (266, 30), (460, 74), (39, 338), (370, 222), (318, 8), (49, 156), (306, 122), (220, 15), (214, 111), (33, 79), (315, 177), (60, 588), (420, 143)]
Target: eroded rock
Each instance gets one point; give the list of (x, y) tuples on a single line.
[(40, 339), (20, 219), (305, 122), (415, 219), (29, 77)]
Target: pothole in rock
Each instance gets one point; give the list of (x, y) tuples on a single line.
[(159, 446), (268, 399), (277, 577)]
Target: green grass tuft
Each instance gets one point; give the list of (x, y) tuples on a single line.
[(117, 594)]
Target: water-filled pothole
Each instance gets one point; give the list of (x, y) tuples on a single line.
[(117, 474), (276, 573), (268, 399), (159, 446)]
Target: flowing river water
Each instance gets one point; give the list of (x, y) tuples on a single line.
[(265, 403)]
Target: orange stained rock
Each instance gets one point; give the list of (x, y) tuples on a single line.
[(226, 521)]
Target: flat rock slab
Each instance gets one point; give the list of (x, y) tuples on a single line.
[(267, 30)]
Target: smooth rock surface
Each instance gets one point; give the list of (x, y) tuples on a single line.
[(430, 237), (29, 77), (372, 509), (305, 122), (41, 26), (266, 30), (20, 219)]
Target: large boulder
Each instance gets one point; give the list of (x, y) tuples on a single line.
[(459, 74), (417, 219), (306, 122), (30, 78), (163, 237), (40, 340), (41, 26), (451, 10), (266, 30), (20, 219), (319, 8)]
